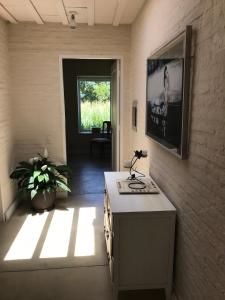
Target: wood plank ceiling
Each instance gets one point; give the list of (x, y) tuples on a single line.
[(114, 12)]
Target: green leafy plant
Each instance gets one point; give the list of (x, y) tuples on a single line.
[(93, 114), (94, 90), (40, 175), (94, 103)]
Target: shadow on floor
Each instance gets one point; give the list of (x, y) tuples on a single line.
[(71, 235)]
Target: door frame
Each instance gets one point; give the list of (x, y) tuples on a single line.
[(119, 125)]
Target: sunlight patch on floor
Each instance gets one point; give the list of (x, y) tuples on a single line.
[(85, 240), (58, 237), (24, 245)]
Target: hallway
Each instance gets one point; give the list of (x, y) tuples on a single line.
[(65, 256)]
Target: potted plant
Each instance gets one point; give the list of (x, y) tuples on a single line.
[(39, 178)]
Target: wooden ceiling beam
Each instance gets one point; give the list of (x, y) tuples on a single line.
[(62, 11), (6, 15), (121, 6), (36, 16), (91, 12)]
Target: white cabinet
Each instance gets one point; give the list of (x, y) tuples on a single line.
[(139, 233)]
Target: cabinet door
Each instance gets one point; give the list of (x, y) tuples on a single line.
[(144, 247)]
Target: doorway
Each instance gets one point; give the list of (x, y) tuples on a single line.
[(91, 97)]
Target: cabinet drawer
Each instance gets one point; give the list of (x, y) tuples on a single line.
[(108, 240), (110, 257), (108, 220), (111, 266)]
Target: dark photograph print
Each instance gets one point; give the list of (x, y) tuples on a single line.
[(164, 101)]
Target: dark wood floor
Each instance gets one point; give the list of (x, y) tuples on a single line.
[(88, 173)]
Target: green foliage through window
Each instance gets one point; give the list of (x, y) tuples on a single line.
[(94, 103)]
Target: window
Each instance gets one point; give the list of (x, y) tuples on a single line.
[(93, 102)]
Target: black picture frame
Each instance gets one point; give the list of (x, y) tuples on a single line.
[(168, 93)]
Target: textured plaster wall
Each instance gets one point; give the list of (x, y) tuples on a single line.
[(35, 75), (6, 140), (195, 186)]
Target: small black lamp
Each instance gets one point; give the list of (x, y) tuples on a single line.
[(136, 183)]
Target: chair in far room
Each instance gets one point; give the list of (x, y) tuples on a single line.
[(103, 139)]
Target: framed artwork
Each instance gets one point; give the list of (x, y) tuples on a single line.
[(167, 94)]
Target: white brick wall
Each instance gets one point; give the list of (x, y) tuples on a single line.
[(6, 157), (195, 186), (34, 61)]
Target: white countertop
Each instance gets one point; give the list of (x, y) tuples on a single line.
[(122, 203)]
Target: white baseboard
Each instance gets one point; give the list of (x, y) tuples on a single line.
[(11, 209), (15, 203)]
